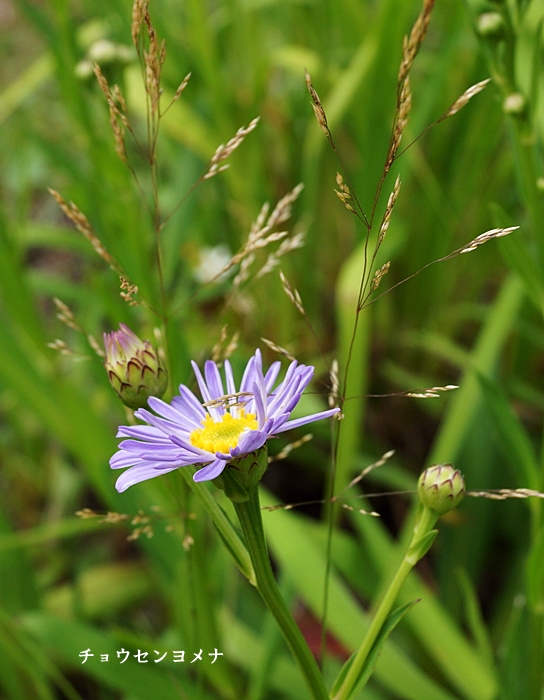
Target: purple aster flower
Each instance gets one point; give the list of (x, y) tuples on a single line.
[(230, 423)]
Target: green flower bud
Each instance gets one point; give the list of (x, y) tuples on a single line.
[(441, 488), (134, 367)]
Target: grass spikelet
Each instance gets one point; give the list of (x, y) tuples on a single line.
[(317, 107), (343, 193), (223, 151), (401, 119), (286, 246), (118, 119), (378, 276), (66, 315), (388, 210), (139, 10), (61, 347), (290, 447), (128, 291), (503, 494), (95, 345), (181, 87), (293, 294), (413, 43), (465, 98), (220, 353), (277, 348), (83, 226), (432, 393), (487, 236), (261, 235)]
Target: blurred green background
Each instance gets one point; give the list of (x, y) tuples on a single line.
[(68, 584)]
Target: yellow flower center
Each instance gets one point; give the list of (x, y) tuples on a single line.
[(221, 436)]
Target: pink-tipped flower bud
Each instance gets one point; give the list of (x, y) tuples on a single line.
[(135, 369), (441, 488)]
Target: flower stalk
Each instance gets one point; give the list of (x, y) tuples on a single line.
[(249, 515), (440, 489)]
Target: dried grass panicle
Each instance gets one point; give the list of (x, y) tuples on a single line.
[(487, 236), (139, 11), (61, 347), (292, 293), (220, 352), (261, 235), (113, 517), (182, 86), (410, 49), (128, 291), (66, 315), (83, 226), (153, 61), (334, 394), (282, 210), (223, 151), (378, 276), (145, 527), (117, 108), (110, 517), (412, 44), (246, 261), (317, 106), (277, 348), (147, 530), (388, 211), (95, 345), (153, 57), (465, 98), (344, 193), (289, 448), (401, 120), (86, 513), (286, 246)]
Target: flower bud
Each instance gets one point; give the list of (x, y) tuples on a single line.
[(134, 367), (441, 488)]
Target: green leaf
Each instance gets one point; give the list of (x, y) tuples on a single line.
[(66, 639), (368, 668), (511, 432), (347, 621), (420, 548)]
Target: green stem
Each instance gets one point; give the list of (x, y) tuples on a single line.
[(423, 526), (249, 514), (227, 531)]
